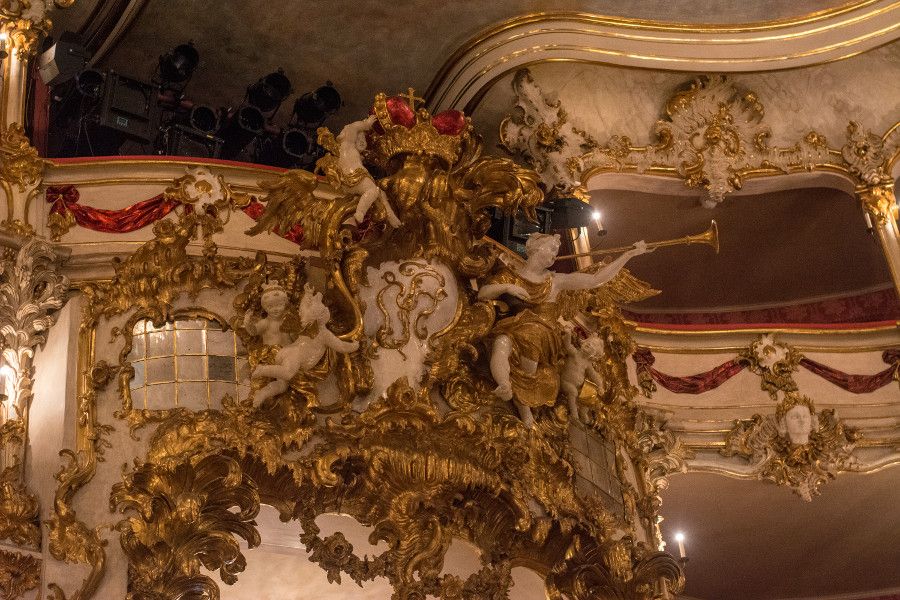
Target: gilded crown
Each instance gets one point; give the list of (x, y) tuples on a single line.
[(401, 129)]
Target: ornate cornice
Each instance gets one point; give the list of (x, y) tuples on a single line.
[(713, 138), (595, 39)]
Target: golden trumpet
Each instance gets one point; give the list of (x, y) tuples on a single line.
[(710, 237)]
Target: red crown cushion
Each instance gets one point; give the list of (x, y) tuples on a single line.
[(449, 122)]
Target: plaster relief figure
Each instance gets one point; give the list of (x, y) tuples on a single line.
[(796, 424), (527, 351), (345, 168), (274, 301), (579, 366), (304, 353)]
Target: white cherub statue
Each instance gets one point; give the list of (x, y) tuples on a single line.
[(306, 351), (353, 176), (274, 302), (579, 366)]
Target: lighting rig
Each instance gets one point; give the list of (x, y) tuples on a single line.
[(94, 112)]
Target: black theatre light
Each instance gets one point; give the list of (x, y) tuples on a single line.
[(89, 84), (239, 130), (177, 66), (203, 118), (290, 148), (63, 59), (569, 213), (311, 108), (269, 92)]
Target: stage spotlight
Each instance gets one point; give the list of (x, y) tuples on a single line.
[(177, 66), (311, 108), (89, 84), (203, 118), (269, 92), (63, 60), (291, 148), (239, 130)]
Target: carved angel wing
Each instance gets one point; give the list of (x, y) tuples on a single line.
[(290, 200), (624, 288), (498, 182), (287, 201)]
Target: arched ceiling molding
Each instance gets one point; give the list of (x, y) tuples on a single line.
[(579, 37), (714, 138)]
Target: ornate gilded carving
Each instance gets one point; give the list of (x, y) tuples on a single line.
[(797, 447), (19, 573), (18, 510), (543, 135), (199, 186), (21, 171), (713, 138), (417, 477), (406, 301), (420, 461), (187, 517), (879, 202), (774, 362), (864, 154), (20, 166), (32, 290), (441, 191)]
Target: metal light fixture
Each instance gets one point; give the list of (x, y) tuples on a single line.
[(177, 67), (569, 213), (312, 108), (240, 129), (269, 92)]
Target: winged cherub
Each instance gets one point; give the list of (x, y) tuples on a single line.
[(579, 366), (345, 168), (526, 351), (306, 351)]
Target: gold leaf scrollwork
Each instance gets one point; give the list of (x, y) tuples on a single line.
[(408, 298), (20, 164), (187, 516), (774, 362), (19, 573)]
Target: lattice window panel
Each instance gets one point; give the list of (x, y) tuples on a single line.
[(190, 363)]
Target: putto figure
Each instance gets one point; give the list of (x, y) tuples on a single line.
[(579, 367), (344, 167), (527, 351), (304, 353), (274, 301)]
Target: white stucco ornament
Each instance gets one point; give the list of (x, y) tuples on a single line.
[(302, 354), (406, 303)]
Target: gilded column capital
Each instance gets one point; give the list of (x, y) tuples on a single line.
[(24, 34), (879, 201)]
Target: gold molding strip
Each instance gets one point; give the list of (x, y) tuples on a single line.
[(508, 43)]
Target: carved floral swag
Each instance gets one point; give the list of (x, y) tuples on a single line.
[(710, 380), (64, 204)]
